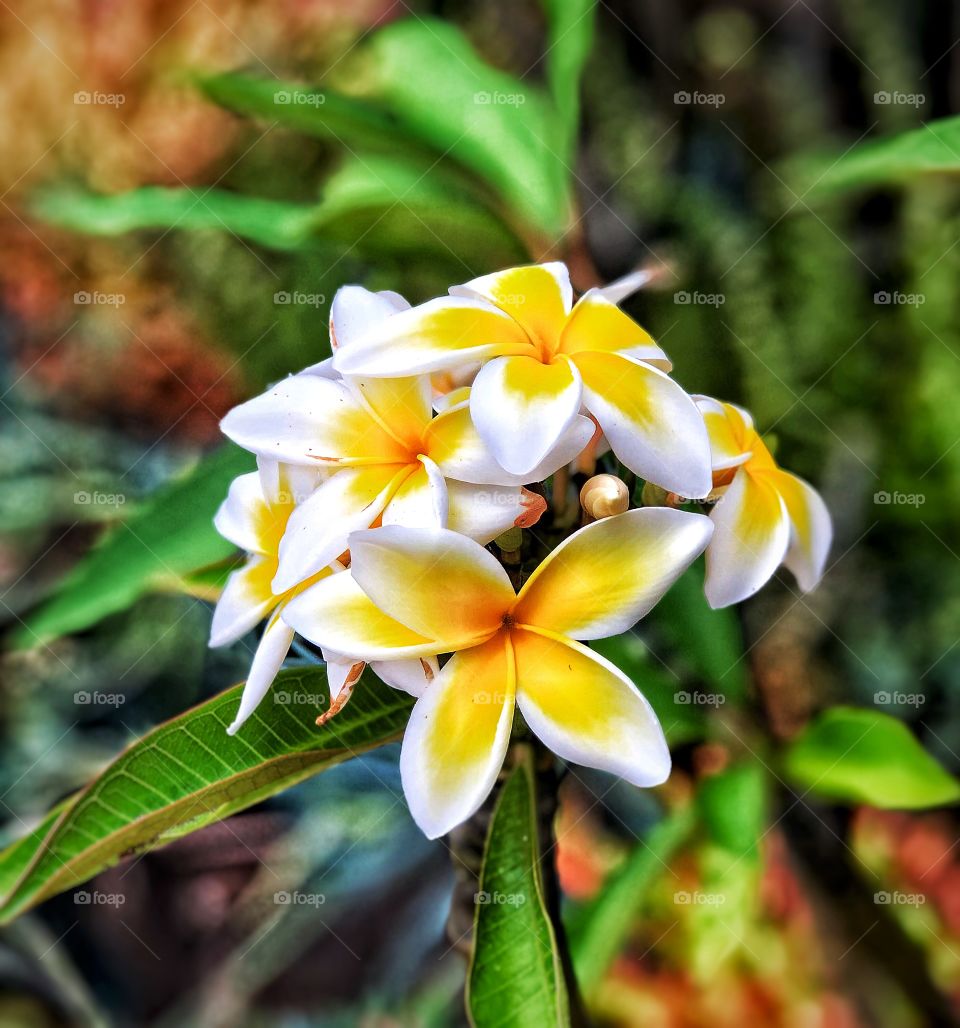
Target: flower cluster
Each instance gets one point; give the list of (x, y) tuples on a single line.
[(385, 470)]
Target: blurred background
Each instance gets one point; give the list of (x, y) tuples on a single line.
[(139, 301)]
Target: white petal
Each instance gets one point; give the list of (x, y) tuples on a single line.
[(305, 419), (436, 336), (355, 311), (482, 512), (652, 425), (750, 539), (336, 614), (439, 584), (457, 737), (455, 444), (240, 517), (811, 530), (317, 530), (587, 710), (409, 676), (245, 601), (270, 655), (421, 502), (521, 407)]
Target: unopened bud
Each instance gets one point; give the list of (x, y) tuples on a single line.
[(604, 495)]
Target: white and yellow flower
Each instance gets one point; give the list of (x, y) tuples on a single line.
[(544, 358), (414, 593), (388, 460), (254, 517), (764, 516)]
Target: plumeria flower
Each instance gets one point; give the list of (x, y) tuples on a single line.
[(254, 517), (390, 462), (764, 516), (544, 358), (421, 592)]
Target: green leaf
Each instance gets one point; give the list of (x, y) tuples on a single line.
[(933, 148), (188, 773), (599, 929), (732, 805), (426, 73), (682, 722), (374, 206), (169, 537), (271, 223), (569, 41), (15, 858), (515, 975), (862, 756), (316, 112), (710, 639)]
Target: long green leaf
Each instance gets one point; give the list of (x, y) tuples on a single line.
[(598, 930), (733, 807), (271, 223), (376, 206), (931, 149), (515, 976), (188, 773), (863, 756), (316, 112), (170, 536), (426, 73), (569, 40)]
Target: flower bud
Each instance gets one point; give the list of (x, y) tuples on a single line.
[(603, 496)]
